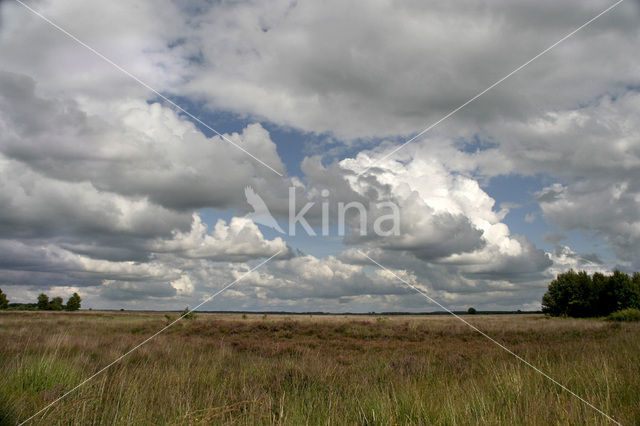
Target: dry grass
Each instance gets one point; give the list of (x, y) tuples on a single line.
[(226, 369)]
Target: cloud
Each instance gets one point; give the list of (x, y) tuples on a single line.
[(99, 182), (609, 209), (445, 216), (376, 70), (564, 258), (239, 241), (33, 205), (132, 148)]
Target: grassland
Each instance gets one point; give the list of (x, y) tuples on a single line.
[(226, 369)]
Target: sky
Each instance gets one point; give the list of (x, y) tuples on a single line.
[(126, 179)]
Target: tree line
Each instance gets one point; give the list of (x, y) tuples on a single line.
[(578, 294), (43, 303)]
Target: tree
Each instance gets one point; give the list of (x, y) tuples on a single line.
[(599, 282), (560, 292), (622, 287), (43, 302), (74, 302), (582, 300), (471, 311), (579, 295), (56, 304), (4, 302)]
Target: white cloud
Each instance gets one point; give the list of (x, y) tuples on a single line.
[(239, 241)]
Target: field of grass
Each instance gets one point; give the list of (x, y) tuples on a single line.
[(230, 369)]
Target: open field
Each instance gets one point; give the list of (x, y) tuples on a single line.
[(226, 369)]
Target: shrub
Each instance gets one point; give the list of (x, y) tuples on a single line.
[(188, 314), (626, 315)]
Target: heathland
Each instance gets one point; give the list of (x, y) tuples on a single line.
[(277, 369)]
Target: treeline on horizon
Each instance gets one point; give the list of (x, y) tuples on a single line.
[(43, 303), (578, 294)]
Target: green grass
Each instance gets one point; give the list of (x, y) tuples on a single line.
[(226, 369)]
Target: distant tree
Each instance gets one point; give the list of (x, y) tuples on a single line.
[(73, 304), (471, 311), (4, 302), (43, 302), (56, 304)]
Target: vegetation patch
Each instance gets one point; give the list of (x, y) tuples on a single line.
[(625, 315), (225, 369)]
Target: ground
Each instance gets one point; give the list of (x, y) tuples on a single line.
[(278, 369)]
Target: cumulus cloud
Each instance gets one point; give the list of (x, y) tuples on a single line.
[(132, 148), (446, 211), (102, 195), (239, 241)]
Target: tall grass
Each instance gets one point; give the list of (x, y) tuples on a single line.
[(225, 369)]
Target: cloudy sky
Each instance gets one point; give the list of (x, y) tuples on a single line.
[(108, 189)]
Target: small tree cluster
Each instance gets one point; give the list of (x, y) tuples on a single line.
[(4, 302), (577, 294), (55, 304)]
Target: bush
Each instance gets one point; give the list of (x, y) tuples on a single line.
[(626, 315), (188, 314)]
